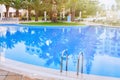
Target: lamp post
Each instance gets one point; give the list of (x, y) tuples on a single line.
[(63, 12), (80, 14), (45, 19), (97, 15)]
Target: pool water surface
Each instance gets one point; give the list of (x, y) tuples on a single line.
[(44, 46)]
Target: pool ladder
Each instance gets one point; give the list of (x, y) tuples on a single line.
[(80, 57), (61, 62)]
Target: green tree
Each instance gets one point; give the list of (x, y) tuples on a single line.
[(28, 6), (7, 4), (52, 9), (17, 4), (61, 7), (1, 1), (44, 7), (36, 5), (91, 7), (72, 5), (58, 6), (87, 7), (118, 4)]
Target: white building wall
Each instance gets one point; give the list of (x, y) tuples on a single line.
[(11, 10), (1, 11)]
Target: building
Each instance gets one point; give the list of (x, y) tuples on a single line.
[(12, 12)]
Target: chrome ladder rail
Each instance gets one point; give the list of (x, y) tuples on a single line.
[(61, 62), (82, 63), (78, 63), (66, 61)]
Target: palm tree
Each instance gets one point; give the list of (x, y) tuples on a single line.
[(28, 6), (61, 6), (118, 4), (44, 7), (7, 4), (72, 5), (17, 4), (36, 5), (54, 7), (1, 1), (82, 5)]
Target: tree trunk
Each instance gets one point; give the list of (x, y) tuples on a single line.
[(54, 17), (54, 12), (17, 13), (50, 14), (36, 15), (29, 14), (7, 10), (72, 14)]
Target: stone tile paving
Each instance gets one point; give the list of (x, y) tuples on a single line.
[(5, 75)]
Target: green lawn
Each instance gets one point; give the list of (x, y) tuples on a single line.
[(52, 23)]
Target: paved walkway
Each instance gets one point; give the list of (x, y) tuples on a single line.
[(5, 75)]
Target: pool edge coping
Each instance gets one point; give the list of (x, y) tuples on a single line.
[(46, 73)]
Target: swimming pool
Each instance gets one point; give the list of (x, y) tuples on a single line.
[(43, 46)]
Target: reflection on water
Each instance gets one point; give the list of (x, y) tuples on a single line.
[(44, 46)]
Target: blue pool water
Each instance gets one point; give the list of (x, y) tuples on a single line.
[(43, 46)]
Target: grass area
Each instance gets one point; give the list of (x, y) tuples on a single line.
[(52, 23), (39, 18)]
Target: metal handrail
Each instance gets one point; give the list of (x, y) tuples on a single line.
[(78, 63), (61, 63), (82, 63), (66, 61)]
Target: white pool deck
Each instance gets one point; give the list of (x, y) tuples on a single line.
[(41, 73)]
